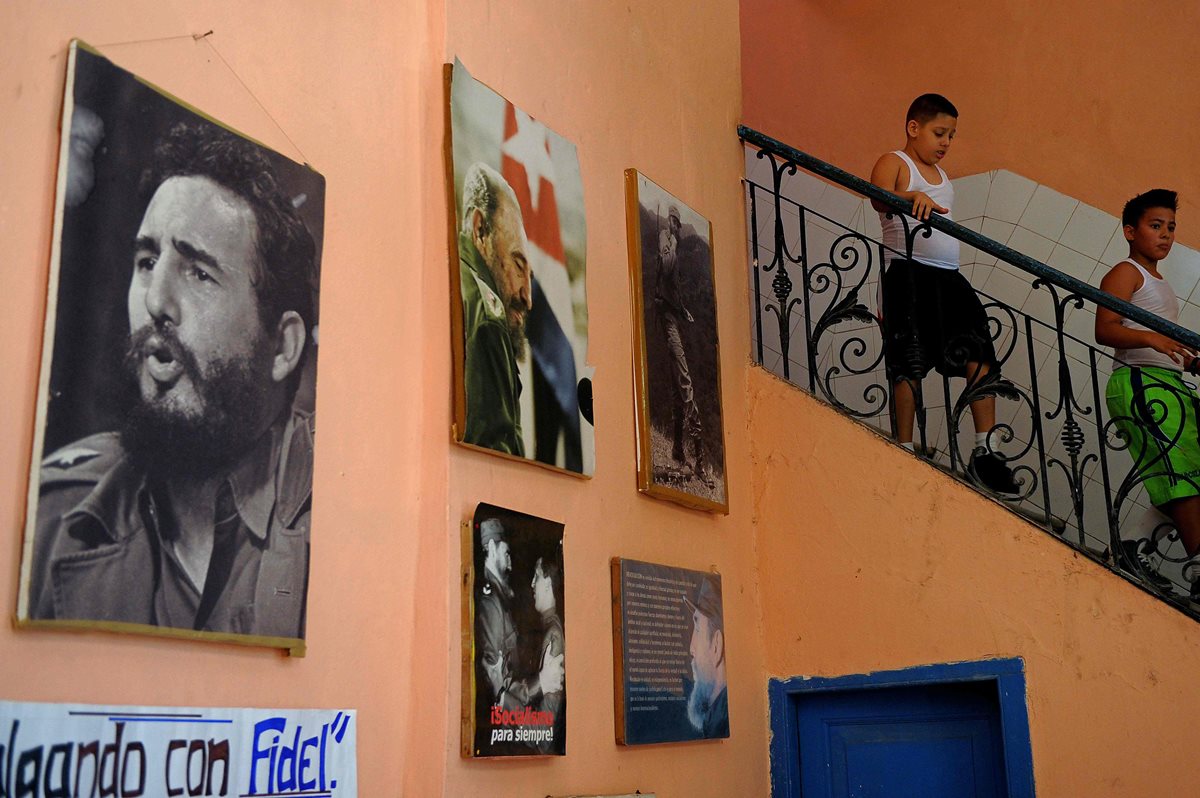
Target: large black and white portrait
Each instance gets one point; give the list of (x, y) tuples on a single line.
[(171, 482)]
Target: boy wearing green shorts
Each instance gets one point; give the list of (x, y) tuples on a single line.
[(1155, 410)]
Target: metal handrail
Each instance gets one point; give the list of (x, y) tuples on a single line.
[(1029, 265), (1072, 480)]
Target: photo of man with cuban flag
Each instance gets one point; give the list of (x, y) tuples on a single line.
[(523, 385)]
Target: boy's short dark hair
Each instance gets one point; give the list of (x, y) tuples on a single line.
[(1154, 198), (927, 106)]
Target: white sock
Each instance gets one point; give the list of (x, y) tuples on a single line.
[(908, 446), (981, 441)]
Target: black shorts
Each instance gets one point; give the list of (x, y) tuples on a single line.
[(932, 318)]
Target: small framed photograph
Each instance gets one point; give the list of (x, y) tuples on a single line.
[(514, 637), (668, 654), (677, 380), (170, 490)]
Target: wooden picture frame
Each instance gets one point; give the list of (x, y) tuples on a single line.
[(669, 675), (677, 367), (117, 368), (522, 386)]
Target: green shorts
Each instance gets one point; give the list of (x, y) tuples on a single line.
[(1156, 412)]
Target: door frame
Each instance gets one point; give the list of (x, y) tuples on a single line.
[(1008, 674)]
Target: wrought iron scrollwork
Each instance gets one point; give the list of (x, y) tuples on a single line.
[(1073, 467)]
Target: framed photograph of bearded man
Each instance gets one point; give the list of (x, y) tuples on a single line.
[(170, 486), (514, 637), (677, 364), (668, 654), (518, 273)]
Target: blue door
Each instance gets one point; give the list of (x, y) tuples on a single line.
[(922, 741)]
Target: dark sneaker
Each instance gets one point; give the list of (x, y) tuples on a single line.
[(992, 473), (1193, 597), (1136, 563)]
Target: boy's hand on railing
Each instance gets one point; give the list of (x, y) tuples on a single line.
[(1183, 355), (923, 204)]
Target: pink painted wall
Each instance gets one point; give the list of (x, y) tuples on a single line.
[(656, 87), (359, 90), (906, 566), (356, 93), (1089, 98)]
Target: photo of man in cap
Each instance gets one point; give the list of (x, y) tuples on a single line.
[(672, 315), (708, 701), (677, 364)]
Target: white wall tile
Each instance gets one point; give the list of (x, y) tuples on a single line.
[(1182, 270), (819, 240), (757, 169), (1189, 316), (770, 332), (1081, 322), (771, 362), (1007, 339), (966, 252), (1017, 368), (858, 391), (971, 195), (1008, 196), (798, 370), (801, 187), (856, 219), (1040, 306), (1102, 268), (1048, 212), (871, 225), (997, 231), (790, 215), (1071, 262), (796, 326), (1090, 231), (1116, 251), (1016, 415), (1007, 288), (766, 224), (1030, 243), (839, 205)]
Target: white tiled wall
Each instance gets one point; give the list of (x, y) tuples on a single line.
[(1069, 235)]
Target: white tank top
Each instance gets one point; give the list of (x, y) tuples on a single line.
[(1156, 296), (939, 249)]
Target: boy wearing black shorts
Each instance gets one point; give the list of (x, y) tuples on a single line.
[(931, 315)]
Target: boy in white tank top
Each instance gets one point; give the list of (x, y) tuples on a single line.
[(1155, 410), (932, 317)]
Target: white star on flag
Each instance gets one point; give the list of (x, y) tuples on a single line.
[(529, 147)]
